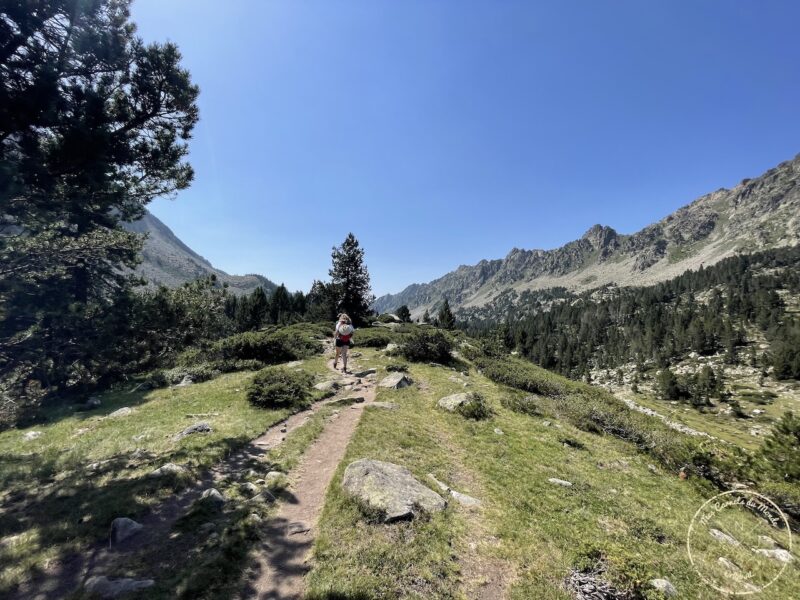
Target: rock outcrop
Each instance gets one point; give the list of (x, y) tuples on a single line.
[(389, 490)]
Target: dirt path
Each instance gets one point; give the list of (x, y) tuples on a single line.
[(61, 579), (282, 560)]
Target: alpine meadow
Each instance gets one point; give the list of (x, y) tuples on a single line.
[(613, 415)]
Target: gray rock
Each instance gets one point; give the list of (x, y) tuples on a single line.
[(213, 497), (328, 386), (730, 566), (249, 489), (187, 380), (168, 469), (723, 537), (664, 586), (767, 541), (395, 381), (354, 399), (391, 347), (778, 554), (560, 482), (32, 435), (293, 364), (452, 403), (498, 431), (201, 427), (121, 412), (464, 500), (545, 423), (123, 528), (365, 373), (114, 588), (390, 490)]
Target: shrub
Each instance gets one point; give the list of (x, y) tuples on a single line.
[(373, 337), (197, 373), (289, 343), (781, 448), (277, 387), (476, 407), (426, 346)]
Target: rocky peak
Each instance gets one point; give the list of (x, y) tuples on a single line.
[(600, 236)]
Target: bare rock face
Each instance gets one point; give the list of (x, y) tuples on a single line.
[(390, 490), (104, 587), (395, 381)]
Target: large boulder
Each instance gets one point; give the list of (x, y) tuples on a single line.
[(390, 490), (121, 412), (395, 381), (123, 528), (104, 587), (213, 498), (452, 403)]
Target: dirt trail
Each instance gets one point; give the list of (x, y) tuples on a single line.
[(61, 579), (282, 559)]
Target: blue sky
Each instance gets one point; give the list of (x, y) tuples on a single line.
[(444, 132)]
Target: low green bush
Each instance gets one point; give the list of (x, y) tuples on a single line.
[(273, 347), (397, 368), (277, 387), (197, 373), (373, 337), (476, 407), (427, 346)]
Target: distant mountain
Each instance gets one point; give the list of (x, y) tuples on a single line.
[(167, 260), (757, 214)]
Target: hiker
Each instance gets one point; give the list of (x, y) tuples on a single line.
[(343, 334)]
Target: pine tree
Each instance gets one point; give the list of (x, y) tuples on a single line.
[(350, 277), (782, 448), (404, 314), (426, 317), (280, 305), (445, 318)]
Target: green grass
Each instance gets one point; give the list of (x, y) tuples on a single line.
[(618, 511), (56, 505)]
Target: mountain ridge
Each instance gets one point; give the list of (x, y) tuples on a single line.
[(167, 260), (756, 214)]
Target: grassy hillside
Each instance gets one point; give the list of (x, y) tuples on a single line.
[(625, 513)]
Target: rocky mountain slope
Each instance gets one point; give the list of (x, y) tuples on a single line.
[(167, 260), (757, 214)]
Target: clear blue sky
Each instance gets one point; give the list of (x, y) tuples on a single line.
[(442, 133)]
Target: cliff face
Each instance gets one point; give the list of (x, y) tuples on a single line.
[(168, 261), (757, 214)]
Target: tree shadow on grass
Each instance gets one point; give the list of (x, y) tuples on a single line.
[(75, 512)]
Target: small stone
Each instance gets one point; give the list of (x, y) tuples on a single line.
[(545, 423), (201, 427), (498, 431), (123, 528), (395, 381), (453, 402), (114, 588), (728, 565), (248, 488), (32, 435), (664, 586), (778, 554), (327, 386), (391, 347), (354, 399), (723, 537), (365, 373), (187, 380), (767, 542), (168, 469), (213, 497), (121, 412), (560, 482), (652, 468), (464, 500)]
